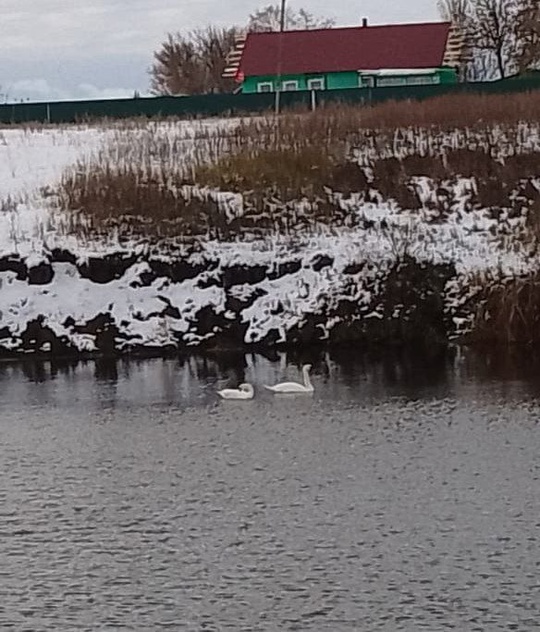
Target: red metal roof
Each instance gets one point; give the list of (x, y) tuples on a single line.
[(341, 49)]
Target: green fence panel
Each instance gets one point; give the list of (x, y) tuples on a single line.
[(238, 104), (23, 112)]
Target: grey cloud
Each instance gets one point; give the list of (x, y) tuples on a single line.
[(58, 48)]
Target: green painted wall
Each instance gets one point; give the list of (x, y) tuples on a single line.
[(339, 80), (251, 83), (336, 80), (448, 75), (332, 81)]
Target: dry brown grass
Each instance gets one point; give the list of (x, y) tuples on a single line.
[(463, 110), (138, 203), (424, 138), (301, 155), (509, 312), (286, 174), (478, 113)]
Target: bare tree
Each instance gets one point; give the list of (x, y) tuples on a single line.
[(192, 63), (455, 11), (458, 12), (213, 45), (494, 24), (528, 35), (489, 28), (174, 68), (269, 18)]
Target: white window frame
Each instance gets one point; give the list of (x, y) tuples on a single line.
[(289, 86), (391, 82), (366, 81), (261, 87), (317, 80), (423, 80)]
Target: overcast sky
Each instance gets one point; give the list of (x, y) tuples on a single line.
[(61, 49)]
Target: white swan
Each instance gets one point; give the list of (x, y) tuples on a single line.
[(295, 387), (244, 391)]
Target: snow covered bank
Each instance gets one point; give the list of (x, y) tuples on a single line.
[(383, 273)]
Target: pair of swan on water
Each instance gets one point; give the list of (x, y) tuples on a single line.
[(246, 391)]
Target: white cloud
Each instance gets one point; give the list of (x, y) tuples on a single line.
[(86, 26), (114, 26), (80, 47)]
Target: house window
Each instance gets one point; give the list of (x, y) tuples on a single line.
[(315, 84), (289, 86), (366, 82), (265, 86), (390, 82), (423, 80)]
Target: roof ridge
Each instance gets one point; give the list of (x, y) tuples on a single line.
[(358, 27)]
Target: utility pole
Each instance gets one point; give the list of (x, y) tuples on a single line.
[(280, 55)]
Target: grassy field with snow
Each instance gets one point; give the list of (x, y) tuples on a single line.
[(397, 224)]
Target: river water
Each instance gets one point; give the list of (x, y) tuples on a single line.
[(403, 495)]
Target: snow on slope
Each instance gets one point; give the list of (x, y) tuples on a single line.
[(32, 159), (160, 312)]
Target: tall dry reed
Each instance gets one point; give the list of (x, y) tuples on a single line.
[(143, 170)]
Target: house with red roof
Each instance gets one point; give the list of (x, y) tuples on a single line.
[(355, 57)]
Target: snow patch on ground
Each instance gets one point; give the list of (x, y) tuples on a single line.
[(162, 312)]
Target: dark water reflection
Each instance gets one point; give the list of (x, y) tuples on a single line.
[(403, 495)]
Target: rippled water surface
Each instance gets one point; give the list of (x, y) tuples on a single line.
[(402, 495)]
